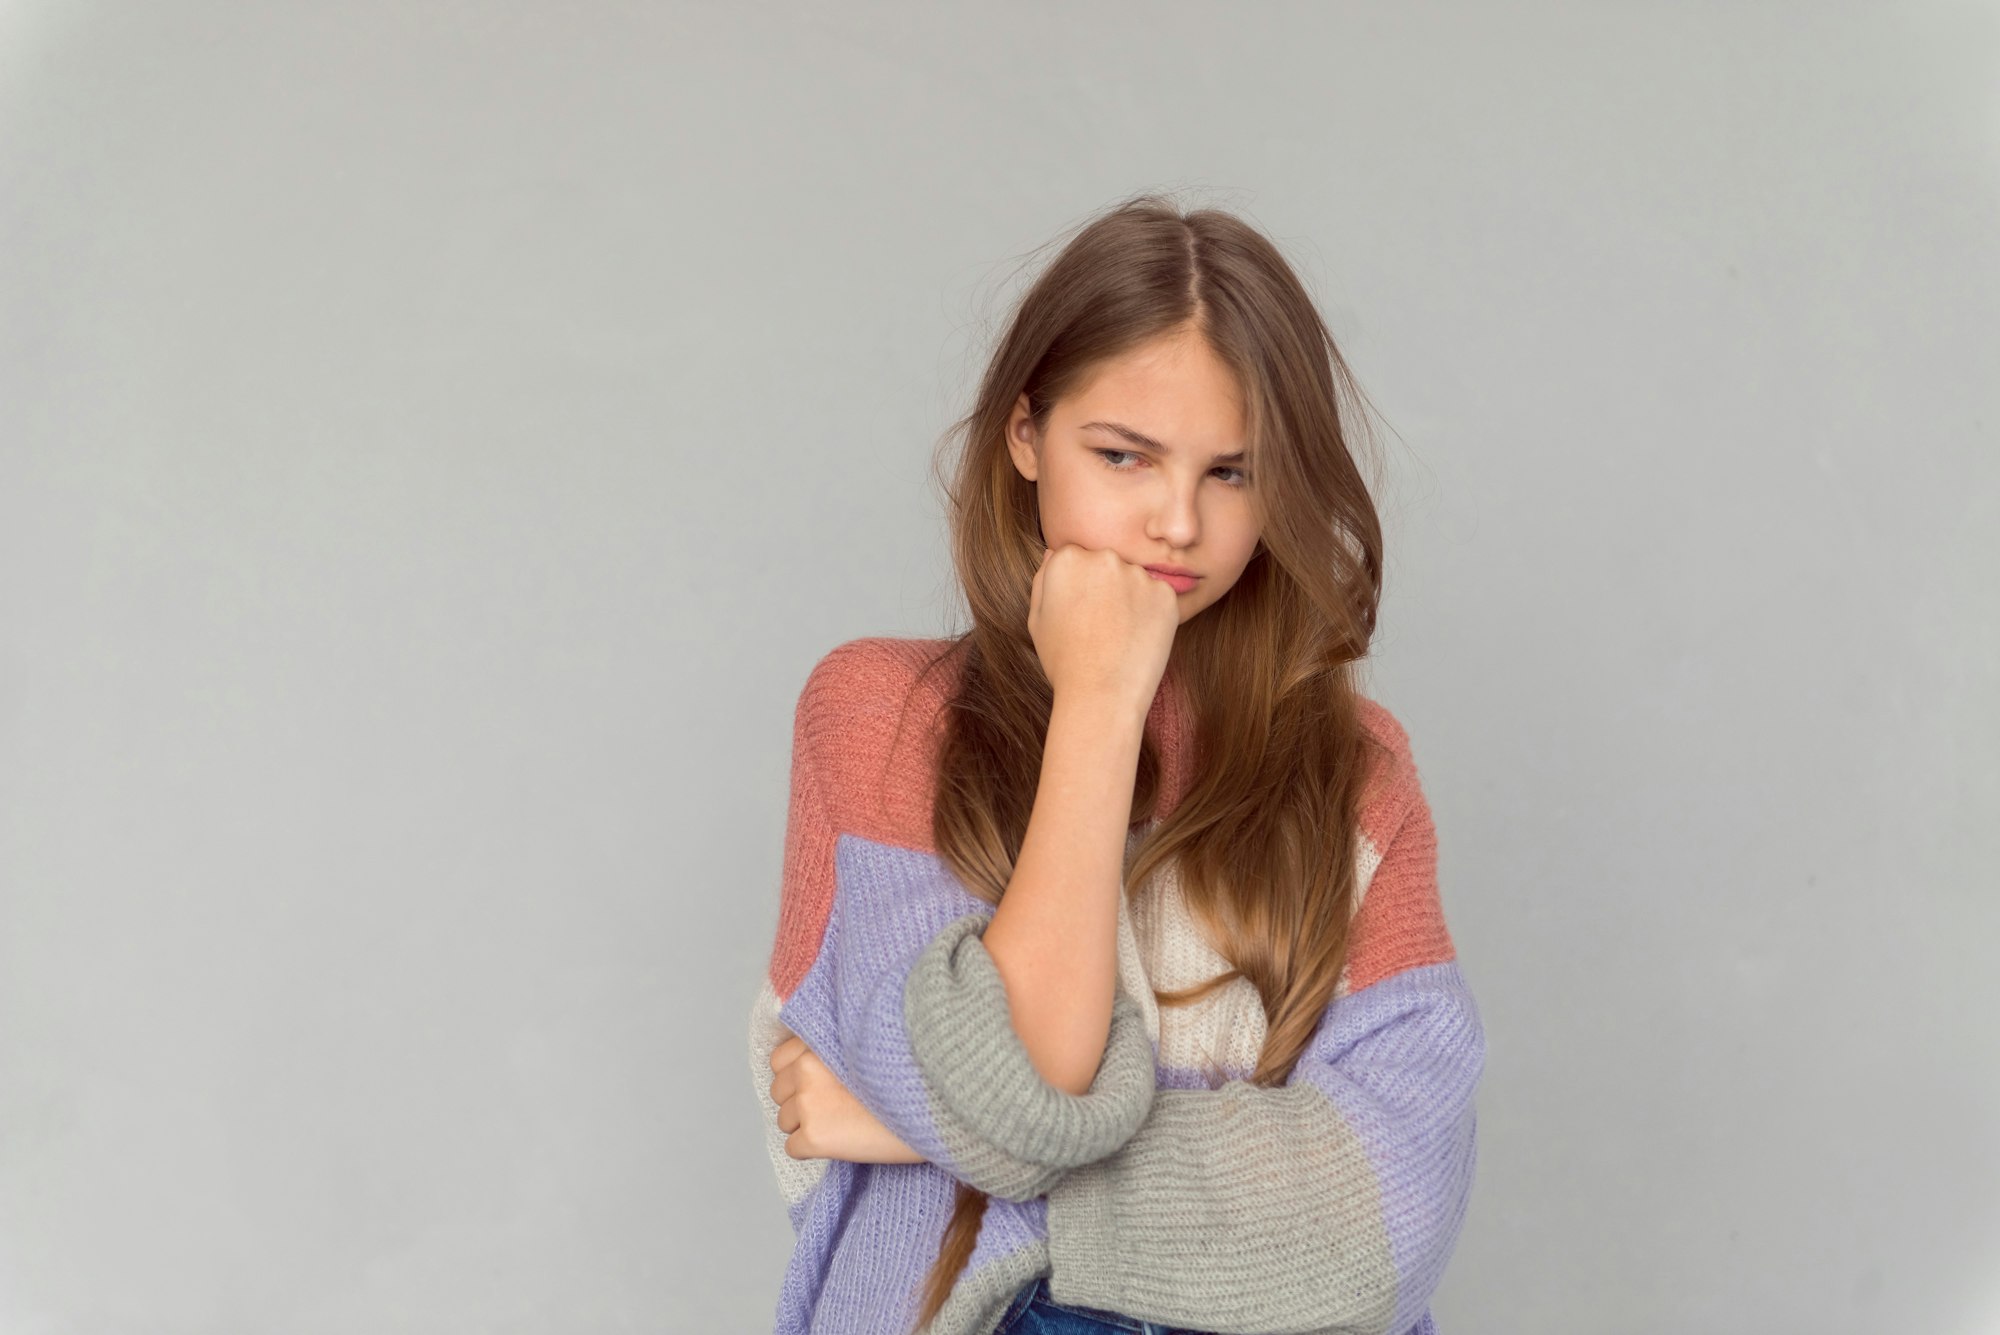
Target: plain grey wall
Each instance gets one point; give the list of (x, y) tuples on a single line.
[(436, 441)]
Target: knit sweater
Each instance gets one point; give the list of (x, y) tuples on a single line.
[(1173, 1189)]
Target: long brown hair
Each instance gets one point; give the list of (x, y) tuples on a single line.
[(1265, 835)]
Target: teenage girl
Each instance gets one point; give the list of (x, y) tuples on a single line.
[(1169, 835)]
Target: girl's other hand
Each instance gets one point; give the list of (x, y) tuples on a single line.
[(823, 1119)]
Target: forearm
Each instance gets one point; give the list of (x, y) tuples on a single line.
[(881, 971), (1054, 936)]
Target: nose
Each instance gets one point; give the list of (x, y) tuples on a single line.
[(1175, 520)]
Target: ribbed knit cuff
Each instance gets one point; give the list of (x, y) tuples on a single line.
[(995, 1111)]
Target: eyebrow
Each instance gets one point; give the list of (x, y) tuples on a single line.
[(1141, 438)]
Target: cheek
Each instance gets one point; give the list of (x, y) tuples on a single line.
[(1083, 514), (1241, 563), (1242, 545)]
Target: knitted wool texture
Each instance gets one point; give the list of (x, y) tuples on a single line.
[(1172, 1190)]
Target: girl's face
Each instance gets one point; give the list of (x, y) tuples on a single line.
[(1146, 460)]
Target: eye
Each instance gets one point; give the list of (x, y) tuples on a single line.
[(1110, 458)]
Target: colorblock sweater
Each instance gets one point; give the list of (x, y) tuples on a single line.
[(1173, 1189)]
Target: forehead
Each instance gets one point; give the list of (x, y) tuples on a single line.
[(1174, 390)]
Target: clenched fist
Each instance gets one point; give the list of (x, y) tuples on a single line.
[(1101, 625)]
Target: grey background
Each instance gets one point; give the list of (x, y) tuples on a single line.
[(436, 441)]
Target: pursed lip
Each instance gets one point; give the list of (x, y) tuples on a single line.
[(1173, 570)]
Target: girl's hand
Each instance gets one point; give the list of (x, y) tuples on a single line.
[(823, 1119), (1101, 625)]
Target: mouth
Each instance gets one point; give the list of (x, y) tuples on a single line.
[(1180, 577)]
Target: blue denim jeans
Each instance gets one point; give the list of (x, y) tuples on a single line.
[(1033, 1312)]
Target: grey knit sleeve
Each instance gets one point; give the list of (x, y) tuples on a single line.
[(1328, 1204), (977, 1096)]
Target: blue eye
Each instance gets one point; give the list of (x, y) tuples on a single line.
[(1242, 478)]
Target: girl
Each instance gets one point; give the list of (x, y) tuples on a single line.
[(1112, 988)]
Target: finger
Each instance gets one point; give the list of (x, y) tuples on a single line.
[(787, 1052)]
